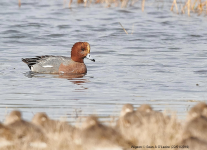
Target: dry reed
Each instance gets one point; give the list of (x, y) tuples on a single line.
[(123, 28), (19, 3), (174, 4), (195, 6), (69, 5), (152, 129), (143, 2), (189, 6)]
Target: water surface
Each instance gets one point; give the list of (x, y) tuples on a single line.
[(162, 61)]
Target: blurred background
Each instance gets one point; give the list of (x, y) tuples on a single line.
[(147, 52)]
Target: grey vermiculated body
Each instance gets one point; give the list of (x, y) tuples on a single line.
[(46, 64)]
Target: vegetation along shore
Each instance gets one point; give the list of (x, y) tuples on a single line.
[(135, 128)]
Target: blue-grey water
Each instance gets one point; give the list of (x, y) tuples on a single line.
[(162, 61)]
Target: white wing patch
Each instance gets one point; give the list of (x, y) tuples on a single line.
[(47, 66)]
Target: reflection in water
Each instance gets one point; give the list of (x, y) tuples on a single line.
[(71, 76), (204, 72), (74, 78)]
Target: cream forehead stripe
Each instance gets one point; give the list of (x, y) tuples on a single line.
[(88, 47)]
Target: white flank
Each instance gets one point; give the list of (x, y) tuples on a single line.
[(32, 68), (47, 66)]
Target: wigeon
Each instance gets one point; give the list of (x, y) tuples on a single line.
[(62, 64)]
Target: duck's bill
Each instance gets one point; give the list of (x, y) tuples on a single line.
[(90, 58)]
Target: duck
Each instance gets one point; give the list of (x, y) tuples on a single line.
[(50, 64)]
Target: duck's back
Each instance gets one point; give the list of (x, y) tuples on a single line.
[(46, 63)]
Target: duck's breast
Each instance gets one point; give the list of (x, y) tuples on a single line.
[(73, 67)]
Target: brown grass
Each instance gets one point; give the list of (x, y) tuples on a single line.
[(123, 28), (150, 129), (190, 6), (19, 3)]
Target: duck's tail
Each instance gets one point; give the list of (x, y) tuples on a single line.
[(29, 61)]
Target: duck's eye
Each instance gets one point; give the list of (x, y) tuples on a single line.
[(82, 49)]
